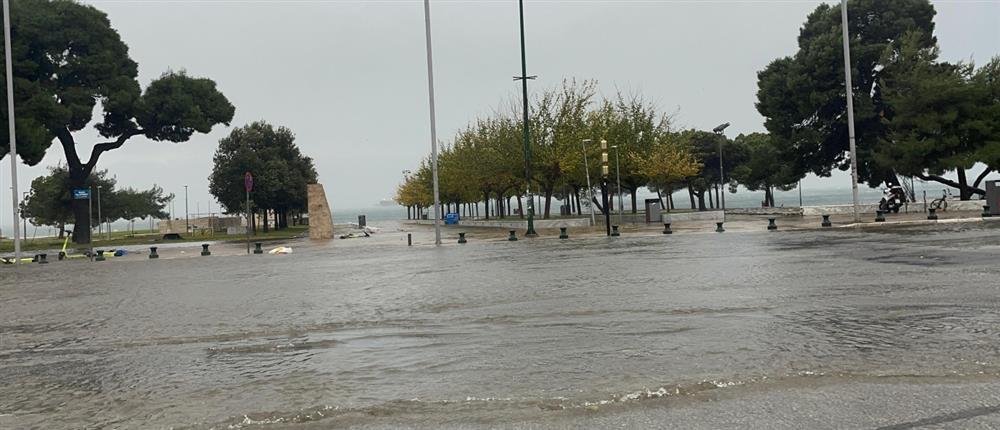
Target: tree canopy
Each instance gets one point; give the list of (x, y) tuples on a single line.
[(802, 97), (944, 116), (270, 154), (68, 61), (761, 169), (50, 200), (484, 161)]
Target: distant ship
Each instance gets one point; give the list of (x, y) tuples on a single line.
[(387, 202)]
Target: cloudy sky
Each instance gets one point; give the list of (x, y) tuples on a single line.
[(349, 77)]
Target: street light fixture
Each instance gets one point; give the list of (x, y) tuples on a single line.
[(722, 174), (590, 189)]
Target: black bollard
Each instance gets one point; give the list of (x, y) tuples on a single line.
[(257, 249), (771, 225), (513, 236), (152, 253), (666, 228), (42, 259), (461, 237), (562, 233), (204, 250), (100, 255), (409, 239), (61, 256), (986, 212), (879, 216), (614, 231), (932, 214), (718, 227), (826, 221)]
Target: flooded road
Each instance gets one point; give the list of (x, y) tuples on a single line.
[(545, 333)]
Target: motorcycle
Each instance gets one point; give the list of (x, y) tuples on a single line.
[(892, 199)]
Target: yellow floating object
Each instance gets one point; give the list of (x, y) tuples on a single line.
[(281, 250)]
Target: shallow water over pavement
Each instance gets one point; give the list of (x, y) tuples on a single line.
[(494, 331)]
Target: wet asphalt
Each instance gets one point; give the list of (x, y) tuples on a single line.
[(895, 327)]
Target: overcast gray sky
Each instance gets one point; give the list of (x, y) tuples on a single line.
[(349, 77)]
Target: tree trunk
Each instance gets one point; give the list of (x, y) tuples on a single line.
[(670, 201), (548, 202), (711, 203), (81, 208), (579, 207), (633, 202), (691, 196), (963, 183), (701, 200), (717, 191), (520, 208), (597, 203), (486, 204), (982, 176)]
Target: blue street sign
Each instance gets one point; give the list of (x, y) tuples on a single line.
[(81, 194)]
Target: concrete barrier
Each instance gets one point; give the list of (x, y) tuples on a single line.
[(675, 217), (517, 224), (792, 211)]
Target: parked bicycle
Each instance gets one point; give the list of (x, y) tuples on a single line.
[(941, 204)]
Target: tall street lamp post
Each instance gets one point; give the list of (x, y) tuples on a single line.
[(604, 186), (850, 109), (434, 151), (618, 177), (590, 189), (10, 128), (722, 172), (527, 146)]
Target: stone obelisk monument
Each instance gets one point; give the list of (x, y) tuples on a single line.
[(320, 218)]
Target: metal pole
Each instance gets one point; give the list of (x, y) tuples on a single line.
[(590, 189), (24, 220), (187, 227), (527, 145), (10, 129), (722, 177), (248, 222), (618, 174), (604, 186), (100, 220), (90, 221), (850, 110), (800, 193), (430, 92)]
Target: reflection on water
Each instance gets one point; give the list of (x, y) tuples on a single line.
[(486, 330)]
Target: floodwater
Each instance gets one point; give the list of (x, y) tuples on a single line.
[(490, 334)]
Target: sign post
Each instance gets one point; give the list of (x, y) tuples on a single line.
[(84, 194), (248, 185)]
